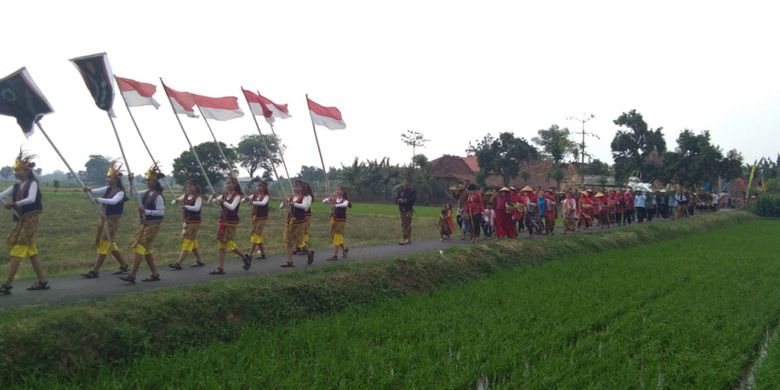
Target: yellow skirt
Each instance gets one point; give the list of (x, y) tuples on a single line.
[(337, 231)]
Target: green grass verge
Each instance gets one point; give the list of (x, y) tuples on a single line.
[(675, 314), (69, 222), (74, 341)]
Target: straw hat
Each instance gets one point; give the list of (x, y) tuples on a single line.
[(502, 189), (527, 189), (584, 193), (599, 195), (512, 188)]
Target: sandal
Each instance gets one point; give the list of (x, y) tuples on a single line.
[(310, 258), (175, 266), (197, 264), (152, 278), (332, 258), (288, 265), (39, 286), (218, 271), (5, 289), (346, 252), (122, 270), (90, 275), (128, 279), (247, 261)]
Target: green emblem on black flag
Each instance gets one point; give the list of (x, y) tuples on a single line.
[(21, 99), (95, 72)]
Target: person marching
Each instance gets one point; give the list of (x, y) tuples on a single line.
[(259, 200), (113, 199), (27, 206), (151, 211), (297, 205), (531, 218), (338, 221), (550, 211), (586, 210), (405, 200), (304, 243), (230, 203), (569, 213), (474, 207), (191, 204)]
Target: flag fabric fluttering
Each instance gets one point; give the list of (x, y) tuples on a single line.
[(137, 93), (261, 105), (21, 99), (183, 102), (220, 108), (329, 117), (96, 73)]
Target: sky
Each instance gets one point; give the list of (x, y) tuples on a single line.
[(452, 70)]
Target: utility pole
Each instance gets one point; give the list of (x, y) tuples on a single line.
[(585, 118)]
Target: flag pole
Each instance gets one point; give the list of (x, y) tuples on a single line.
[(267, 149), (316, 139), (192, 149), (121, 148), (143, 141), (227, 160), (281, 154), (100, 210)]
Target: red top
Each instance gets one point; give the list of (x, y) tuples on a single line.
[(475, 205)]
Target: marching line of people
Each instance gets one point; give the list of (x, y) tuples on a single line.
[(25, 201), (507, 211)]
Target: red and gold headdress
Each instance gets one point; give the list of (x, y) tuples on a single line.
[(24, 161), (154, 173), (115, 169)]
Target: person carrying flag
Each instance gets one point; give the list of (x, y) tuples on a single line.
[(27, 205), (230, 202), (151, 210), (338, 221), (259, 200), (191, 204)]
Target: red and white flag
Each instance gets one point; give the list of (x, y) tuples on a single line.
[(137, 93), (220, 109), (261, 105), (183, 102), (329, 117)]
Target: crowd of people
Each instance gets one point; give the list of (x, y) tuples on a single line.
[(26, 203), (499, 213), (506, 212)]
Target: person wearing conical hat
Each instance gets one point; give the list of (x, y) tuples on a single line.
[(151, 210), (112, 198), (191, 205), (531, 216), (504, 208), (27, 205)]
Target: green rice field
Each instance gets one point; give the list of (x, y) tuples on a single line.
[(686, 313)]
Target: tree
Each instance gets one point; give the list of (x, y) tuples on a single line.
[(637, 148), (525, 175), (253, 152), (420, 161), (555, 142), (185, 167), (56, 186), (311, 173), (596, 168), (415, 139), (96, 168), (502, 156), (558, 175), (695, 161), (7, 172), (730, 167)]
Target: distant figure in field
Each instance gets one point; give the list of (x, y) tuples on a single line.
[(445, 229), (27, 205), (405, 200)]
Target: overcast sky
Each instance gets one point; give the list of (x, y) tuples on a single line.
[(453, 70)]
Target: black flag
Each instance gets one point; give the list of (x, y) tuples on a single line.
[(96, 73), (21, 99)]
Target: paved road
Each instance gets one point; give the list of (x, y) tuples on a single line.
[(75, 288)]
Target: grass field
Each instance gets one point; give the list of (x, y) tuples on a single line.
[(687, 313), (68, 229)]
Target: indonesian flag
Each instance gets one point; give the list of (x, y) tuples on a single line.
[(329, 117), (137, 93), (21, 99), (261, 105), (183, 102), (220, 109)]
